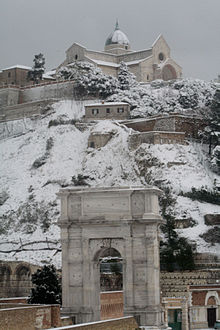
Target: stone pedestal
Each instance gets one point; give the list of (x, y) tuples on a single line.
[(95, 221)]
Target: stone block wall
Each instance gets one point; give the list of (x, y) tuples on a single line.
[(173, 123), (98, 140), (9, 96), (191, 126), (15, 279), (24, 110), (55, 90), (135, 140), (212, 219), (176, 284)]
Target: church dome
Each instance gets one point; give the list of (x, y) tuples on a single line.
[(117, 37)]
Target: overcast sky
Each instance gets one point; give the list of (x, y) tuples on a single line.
[(190, 27)]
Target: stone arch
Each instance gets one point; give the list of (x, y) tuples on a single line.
[(23, 279), (168, 72), (212, 296), (105, 252), (103, 220), (23, 271)]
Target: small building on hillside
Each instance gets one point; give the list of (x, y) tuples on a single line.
[(107, 110), (17, 75)]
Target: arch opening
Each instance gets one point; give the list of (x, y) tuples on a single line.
[(168, 72), (111, 270)]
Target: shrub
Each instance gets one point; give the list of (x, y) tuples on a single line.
[(203, 195), (212, 235), (80, 180), (57, 122), (47, 287)]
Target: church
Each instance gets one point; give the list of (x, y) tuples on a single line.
[(147, 64)]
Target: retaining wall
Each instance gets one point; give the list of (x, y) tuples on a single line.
[(125, 323)]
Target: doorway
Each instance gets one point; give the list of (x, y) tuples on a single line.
[(211, 316)]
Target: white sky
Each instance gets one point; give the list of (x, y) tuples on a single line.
[(191, 28)]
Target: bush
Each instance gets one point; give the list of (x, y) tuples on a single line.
[(212, 235), (57, 122), (47, 287), (43, 159), (80, 180), (203, 195)]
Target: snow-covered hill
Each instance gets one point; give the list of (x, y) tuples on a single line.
[(39, 156)]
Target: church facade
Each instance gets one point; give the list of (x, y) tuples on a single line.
[(147, 65)]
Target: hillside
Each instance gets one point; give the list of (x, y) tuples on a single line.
[(43, 154)]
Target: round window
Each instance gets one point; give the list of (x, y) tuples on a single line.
[(161, 56)]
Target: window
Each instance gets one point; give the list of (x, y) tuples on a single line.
[(147, 76), (76, 57), (9, 74), (161, 57), (107, 110), (120, 110), (95, 111), (92, 144)]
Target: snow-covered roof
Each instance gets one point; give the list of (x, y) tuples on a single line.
[(105, 104), (49, 74), (18, 66), (104, 63), (116, 65)]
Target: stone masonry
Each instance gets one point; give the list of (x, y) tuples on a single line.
[(94, 223)]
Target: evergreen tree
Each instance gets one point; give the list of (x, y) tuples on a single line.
[(47, 287), (175, 252), (125, 77), (214, 141), (37, 71)]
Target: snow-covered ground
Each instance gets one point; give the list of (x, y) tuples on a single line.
[(28, 188)]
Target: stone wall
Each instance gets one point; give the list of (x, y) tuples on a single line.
[(30, 317), (125, 323), (174, 123), (24, 110), (135, 140), (212, 219), (176, 284), (54, 90), (9, 96), (15, 279), (97, 140)]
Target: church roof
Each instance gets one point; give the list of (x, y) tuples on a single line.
[(117, 37)]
